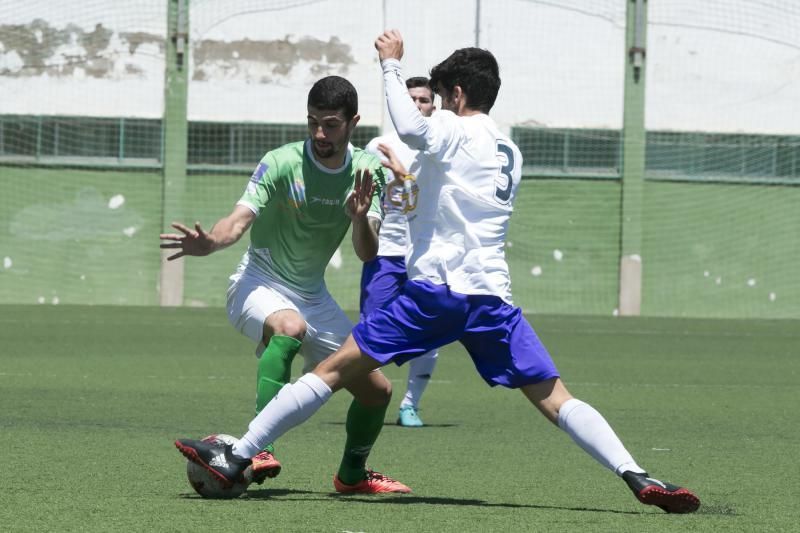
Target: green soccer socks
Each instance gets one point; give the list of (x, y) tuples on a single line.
[(364, 424), (275, 368)]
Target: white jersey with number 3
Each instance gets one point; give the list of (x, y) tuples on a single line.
[(467, 182)]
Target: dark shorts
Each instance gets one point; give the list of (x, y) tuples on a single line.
[(382, 280), (426, 316)]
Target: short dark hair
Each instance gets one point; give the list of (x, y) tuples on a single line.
[(419, 81), (475, 70), (334, 93)]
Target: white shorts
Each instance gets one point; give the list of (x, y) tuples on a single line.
[(252, 298)]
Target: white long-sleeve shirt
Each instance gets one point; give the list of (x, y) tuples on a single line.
[(468, 177)]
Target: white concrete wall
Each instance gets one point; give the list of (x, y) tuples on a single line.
[(133, 79), (717, 65), (724, 66)]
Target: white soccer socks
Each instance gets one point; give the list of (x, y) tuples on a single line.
[(590, 431), (292, 406), (419, 375)]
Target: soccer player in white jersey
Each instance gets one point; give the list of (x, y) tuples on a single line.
[(382, 278), (458, 287), (299, 204)]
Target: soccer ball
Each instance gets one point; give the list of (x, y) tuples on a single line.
[(208, 486)]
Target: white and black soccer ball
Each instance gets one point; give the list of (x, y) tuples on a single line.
[(206, 485)]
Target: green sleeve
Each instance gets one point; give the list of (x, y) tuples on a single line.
[(262, 185), (379, 179)]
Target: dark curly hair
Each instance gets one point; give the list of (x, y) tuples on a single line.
[(475, 70), (334, 93)]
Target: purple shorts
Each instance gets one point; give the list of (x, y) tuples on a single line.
[(382, 280), (426, 316)]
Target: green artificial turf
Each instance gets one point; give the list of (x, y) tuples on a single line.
[(92, 398)]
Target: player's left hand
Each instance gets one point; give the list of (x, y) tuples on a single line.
[(392, 162), (360, 199)]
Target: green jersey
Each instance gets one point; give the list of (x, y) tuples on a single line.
[(300, 212)]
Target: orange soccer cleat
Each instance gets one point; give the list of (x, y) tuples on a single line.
[(265, 465), (374, 483)]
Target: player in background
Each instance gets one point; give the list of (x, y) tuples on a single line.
[(382, 278), (298, 205), (459, 284)]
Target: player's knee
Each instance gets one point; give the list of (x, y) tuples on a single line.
[(289, 324)]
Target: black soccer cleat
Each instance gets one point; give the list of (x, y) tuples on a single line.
[(670, 498), (218, 460)]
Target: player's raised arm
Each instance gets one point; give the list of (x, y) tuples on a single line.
[(198, 242), (389, 45), (409, 123)]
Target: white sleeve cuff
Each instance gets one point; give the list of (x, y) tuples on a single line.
[(249, 206), (390, 64)]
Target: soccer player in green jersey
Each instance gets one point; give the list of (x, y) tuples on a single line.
[(298, 205)]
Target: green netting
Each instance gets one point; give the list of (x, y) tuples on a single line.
[(563, 152), (214, 144), (82, 145), (701, 156), (721, 250), (79, 236), (89, 140)]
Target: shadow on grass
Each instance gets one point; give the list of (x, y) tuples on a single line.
[(293, 495), (263, 494), (289, 495)]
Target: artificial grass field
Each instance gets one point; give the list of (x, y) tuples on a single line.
[(92, 398)]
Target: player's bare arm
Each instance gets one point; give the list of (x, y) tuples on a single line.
[(365, 235), (199, 242), (389, 45)]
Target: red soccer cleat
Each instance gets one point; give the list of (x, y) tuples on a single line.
[(265, 465), (374, 483)]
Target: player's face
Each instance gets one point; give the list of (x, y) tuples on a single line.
[(330, 133), (423, 97)]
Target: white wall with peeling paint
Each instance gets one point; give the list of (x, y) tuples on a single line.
[(133, 81), (274, 88), (718, 65)]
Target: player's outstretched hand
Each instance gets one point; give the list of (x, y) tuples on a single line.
[(193, 241), (389, 45), (391, 162), (360, 200)]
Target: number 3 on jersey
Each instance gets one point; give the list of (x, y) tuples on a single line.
[(503, 181)]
